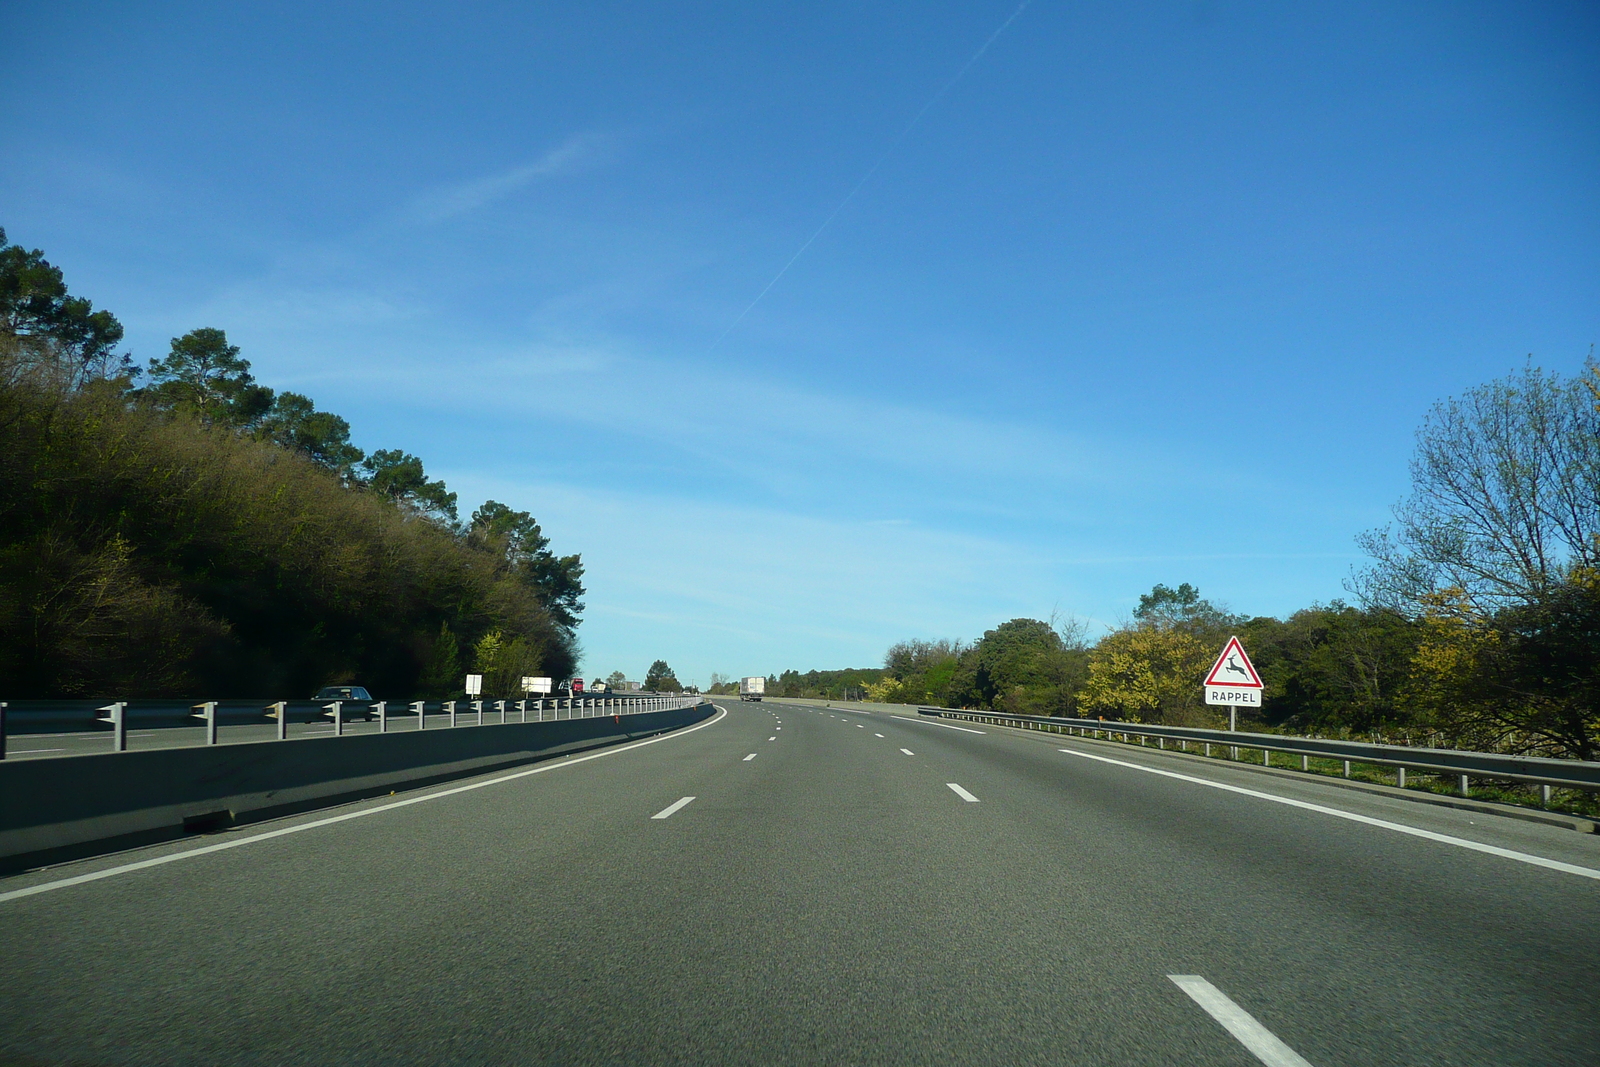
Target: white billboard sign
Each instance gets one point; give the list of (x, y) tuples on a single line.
[(530, 684)]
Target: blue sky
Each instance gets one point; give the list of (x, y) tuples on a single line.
[(1150, 293)]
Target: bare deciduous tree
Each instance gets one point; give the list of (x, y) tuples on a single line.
[(1505, 500)]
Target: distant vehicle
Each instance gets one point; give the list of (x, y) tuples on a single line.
[(597, 686), (752, 688), (350, 693), (577, 685)]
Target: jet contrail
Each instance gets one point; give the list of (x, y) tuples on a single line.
[(993, 37)]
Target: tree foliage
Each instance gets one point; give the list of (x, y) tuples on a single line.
[(400, 477), (203, 535), (505, 659), (203, 375), (1495, 553), (1505, 500), (1335, 668), (322, 437), (515, 537), (1149, 674), (1527, 680), (49, 330), (660, 679)]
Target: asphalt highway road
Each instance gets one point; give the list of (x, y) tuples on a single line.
[(799, 885)]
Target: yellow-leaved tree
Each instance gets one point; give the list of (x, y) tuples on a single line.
[(1148, 674)]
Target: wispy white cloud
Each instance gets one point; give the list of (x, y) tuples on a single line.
[(786, 431), (578, 152), (737, 589)]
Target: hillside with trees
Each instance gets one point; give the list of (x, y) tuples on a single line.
[(181, 529)]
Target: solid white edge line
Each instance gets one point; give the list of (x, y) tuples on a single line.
[(1262, 1043), (962, 793), (157, 861), (676, 805), (1401, 828), (947, 726)]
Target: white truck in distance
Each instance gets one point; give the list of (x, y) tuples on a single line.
[(752, 688)]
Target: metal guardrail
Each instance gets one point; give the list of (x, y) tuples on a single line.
[(209, 713), (1533, 770)]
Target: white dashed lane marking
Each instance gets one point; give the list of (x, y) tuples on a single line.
[(748, 758), (908, 752), (962, 793), (1262, 1043), (676, 805)]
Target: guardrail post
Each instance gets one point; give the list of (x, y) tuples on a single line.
[(500, 706), (477, 706), (282, 709), (383, 716), (208, 712), (2, 729), (117, 717), (337, 707), (522, 711), (1466, 790), (421, 708)]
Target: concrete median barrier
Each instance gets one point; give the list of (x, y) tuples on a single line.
[(59, 809)]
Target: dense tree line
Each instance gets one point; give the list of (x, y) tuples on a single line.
[(829, 685), (1477, 622), (181, 529)]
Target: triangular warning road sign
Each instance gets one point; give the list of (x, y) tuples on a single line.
[(1233, 668)]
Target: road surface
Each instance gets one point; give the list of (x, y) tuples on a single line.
[(786, 885)]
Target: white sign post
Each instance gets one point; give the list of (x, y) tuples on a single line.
[(1233, 681), (474, 685)]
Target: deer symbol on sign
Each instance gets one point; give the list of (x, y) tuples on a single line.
[(1232, 666)]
